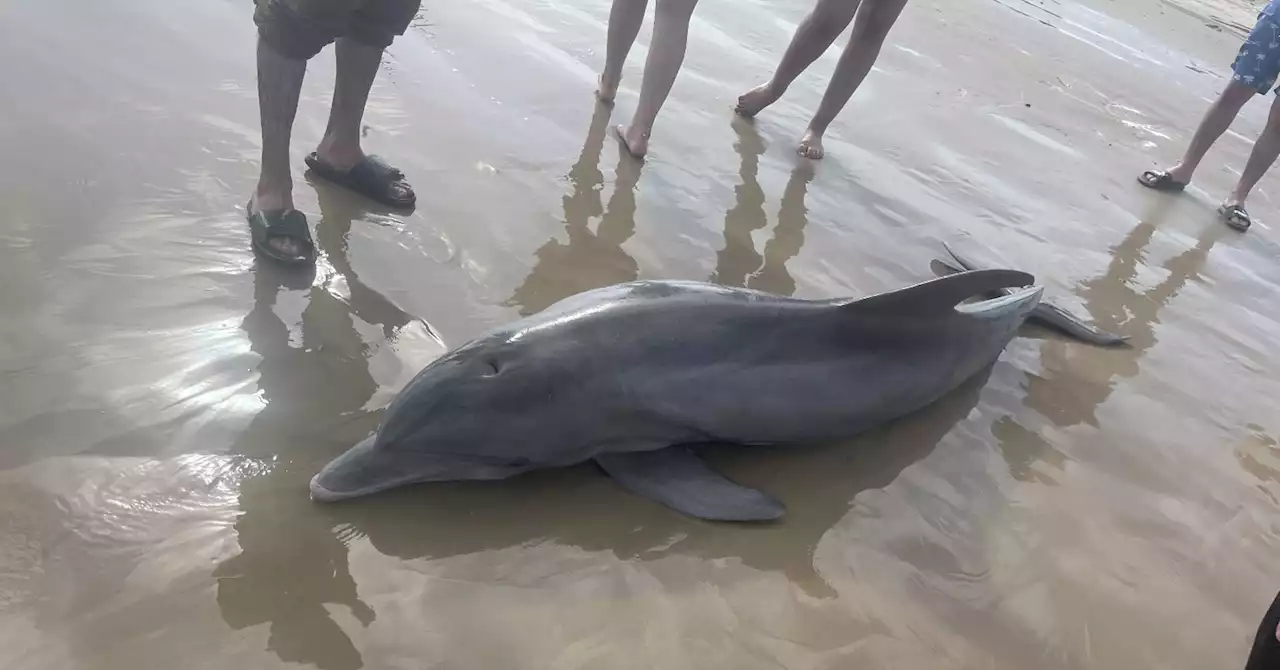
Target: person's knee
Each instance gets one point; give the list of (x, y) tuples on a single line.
[(875, 21), (676, 9), (829, 18), (301, 29), (378, 22), (1236, 94)]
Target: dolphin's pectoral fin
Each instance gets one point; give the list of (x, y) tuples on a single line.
[(677, 478)]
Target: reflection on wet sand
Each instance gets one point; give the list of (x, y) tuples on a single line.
[(1259, 455), (1023, 449), (314, 388), (738, 263), (589, 260), (129, 359), (1119, 303)]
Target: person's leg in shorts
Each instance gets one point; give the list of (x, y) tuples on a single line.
[(290, 32), (1254, 72)]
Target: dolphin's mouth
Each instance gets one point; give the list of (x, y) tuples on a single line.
[(1017, 299), (322, 493), (358, 472), (364, 470)]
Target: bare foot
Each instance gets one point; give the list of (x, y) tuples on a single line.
[(268, 199), (811, 145), (754, 101), (606, 90), (634, 140)]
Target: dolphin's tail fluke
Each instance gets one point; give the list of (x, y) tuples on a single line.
[(1046, 314), (1052, 316)]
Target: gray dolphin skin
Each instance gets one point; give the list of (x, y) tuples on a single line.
[(630, 376), (1045, 313)]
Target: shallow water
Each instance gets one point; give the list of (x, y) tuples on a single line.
[(166, 398)]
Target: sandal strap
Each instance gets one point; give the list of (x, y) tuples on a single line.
[(380, 169), (1236, 216), (291, 223), (372, 177)]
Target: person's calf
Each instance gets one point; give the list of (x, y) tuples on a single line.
[(1216, 120), (357, 66), (625, 17), (279, 86)]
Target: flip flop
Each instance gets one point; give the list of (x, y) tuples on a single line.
[(373, 178), (1160, 181), (282, 223), (1235, 216)]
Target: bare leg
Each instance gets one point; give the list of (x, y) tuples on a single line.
[(875, 19), (1264, 154), (279, 86), (666, 54), (1216, 121), (624, 24), (817, 31), (357, 66)]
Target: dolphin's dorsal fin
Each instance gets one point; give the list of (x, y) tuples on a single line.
[(943, 293)]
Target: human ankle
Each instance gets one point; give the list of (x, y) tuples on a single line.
[(1182, 173), (270, 197), (339, 152)]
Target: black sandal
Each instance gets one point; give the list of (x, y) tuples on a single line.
[(373, 178), (1235, 216), (1160, 181), (292, 224)]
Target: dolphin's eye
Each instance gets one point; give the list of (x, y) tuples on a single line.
[(488, 367)]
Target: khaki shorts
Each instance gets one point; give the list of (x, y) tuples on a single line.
[(301, 28)]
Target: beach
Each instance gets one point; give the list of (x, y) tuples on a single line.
[(167, 396)]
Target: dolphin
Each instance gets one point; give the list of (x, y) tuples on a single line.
[(632, 376)]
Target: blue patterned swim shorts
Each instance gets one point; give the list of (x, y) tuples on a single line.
[(1258, 62)]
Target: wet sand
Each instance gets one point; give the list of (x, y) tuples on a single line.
[(166, 398)]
